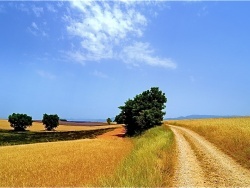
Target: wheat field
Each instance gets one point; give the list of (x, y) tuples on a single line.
[(66, 163), (231, 135), (37, 126)]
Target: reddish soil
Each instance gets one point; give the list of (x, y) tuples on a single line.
[(117, 133)]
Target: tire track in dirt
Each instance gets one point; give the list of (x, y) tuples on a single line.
[(200, 163), (188, 171)]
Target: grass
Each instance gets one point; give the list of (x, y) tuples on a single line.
[(61, 164), (10, 137), (150, 164), (231, 135)]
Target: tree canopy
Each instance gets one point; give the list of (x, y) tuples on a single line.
[(20, 121), (50, 121), (109, 120), (143, 112)]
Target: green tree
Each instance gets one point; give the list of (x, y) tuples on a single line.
[(50, 121), (119, 119), (20, 121), (109, 121), (143, 112)]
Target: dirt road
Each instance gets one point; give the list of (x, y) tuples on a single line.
[(200, 163)]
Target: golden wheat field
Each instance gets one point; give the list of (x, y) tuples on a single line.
[(232, 135), (37, 126), (66, 163)]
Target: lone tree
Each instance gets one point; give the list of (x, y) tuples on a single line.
[(50, 121), (20, 121), (109, 121), (143, 112)]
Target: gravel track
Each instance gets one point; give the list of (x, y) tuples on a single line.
[(200, 163)]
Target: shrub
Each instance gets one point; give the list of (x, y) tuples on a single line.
[(143, 112), (20, 121), (50, 121), (109, 121)]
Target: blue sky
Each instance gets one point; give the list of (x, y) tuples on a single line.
[(83, 59)]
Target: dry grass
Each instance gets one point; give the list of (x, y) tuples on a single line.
[(232, 135), (150, 164), (67, 163), (36, 126)]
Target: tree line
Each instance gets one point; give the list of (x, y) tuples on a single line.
[(21, 121)]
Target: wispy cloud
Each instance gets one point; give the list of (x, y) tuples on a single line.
[(108, 30), (32, 8), (139, 53), (22, 7), (37, 10), (37, 31), (76, 56), (46, 75), (34, 25)]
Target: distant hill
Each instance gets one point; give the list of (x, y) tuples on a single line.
[(198, 117), (84, 120)]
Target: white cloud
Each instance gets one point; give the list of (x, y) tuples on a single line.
[(76, 56), (60, 4), (37, 10), (142, 53), (32, 31), (46, 75), (34, 25), (35, 30), (108, 29), (103, 26)]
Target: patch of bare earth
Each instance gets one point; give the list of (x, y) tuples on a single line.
[(200, 163), (117, 133)]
